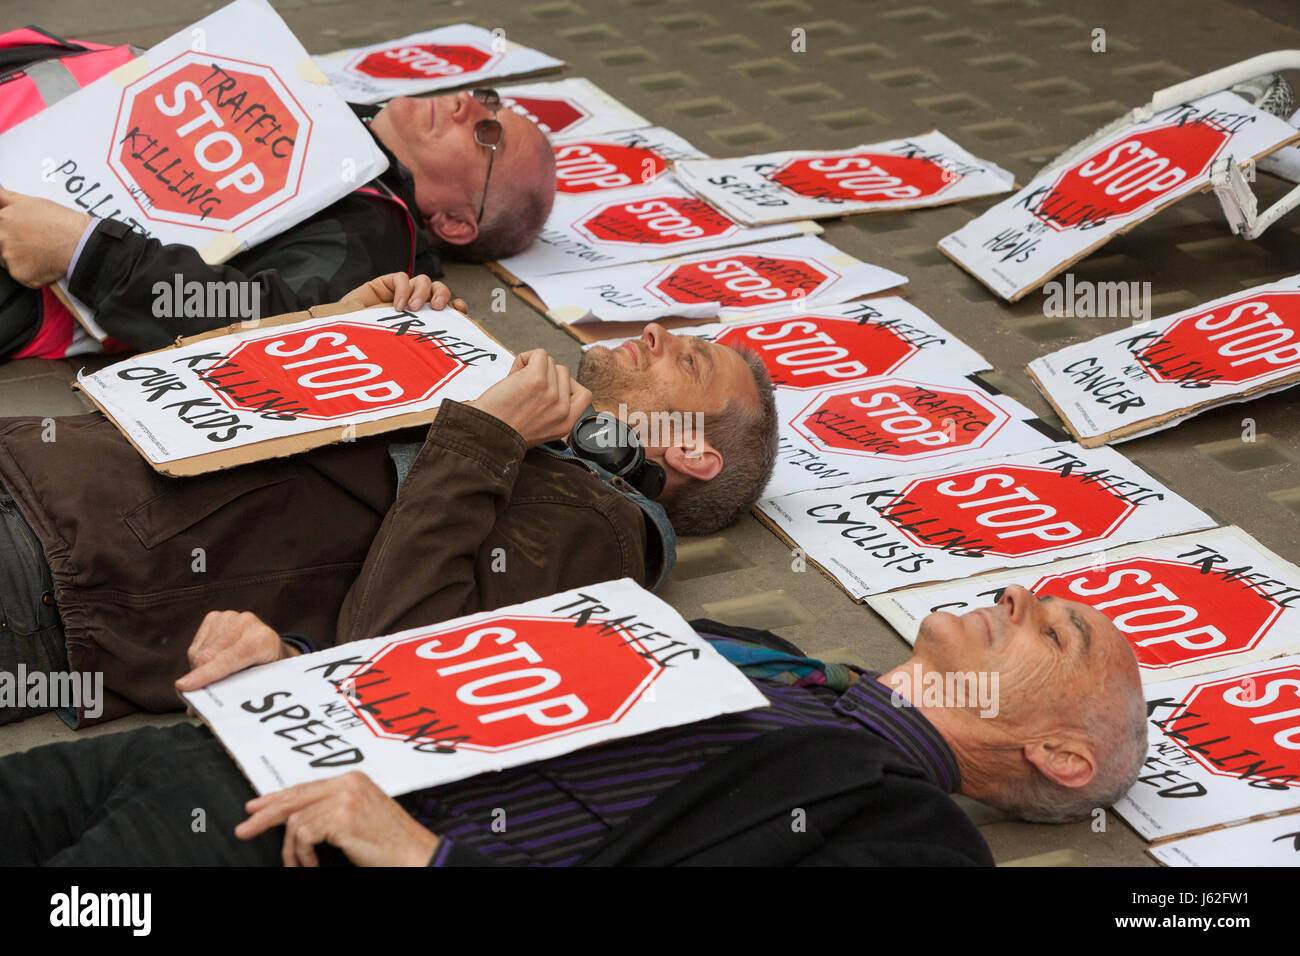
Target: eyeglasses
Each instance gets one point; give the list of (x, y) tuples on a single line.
[(488, 133)]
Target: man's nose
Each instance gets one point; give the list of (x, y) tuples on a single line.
[(656, 338), (1019, 603)]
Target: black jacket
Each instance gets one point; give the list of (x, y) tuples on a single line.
[(317, 261)]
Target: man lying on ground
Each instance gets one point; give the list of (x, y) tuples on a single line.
[(466, 178), (108, 567), (840, 769)]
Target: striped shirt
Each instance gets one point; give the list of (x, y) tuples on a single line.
[(555, 812)]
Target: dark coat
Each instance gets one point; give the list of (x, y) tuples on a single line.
[(319, 543)]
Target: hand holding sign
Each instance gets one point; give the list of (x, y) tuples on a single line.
[(37, 238), (348, 812), (405, 293), (538, 399), (228, 642)]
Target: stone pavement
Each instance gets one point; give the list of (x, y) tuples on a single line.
[(1012, 80)]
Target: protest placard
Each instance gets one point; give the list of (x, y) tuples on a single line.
[(570, 108), (1188, 604), (1224, 748), (221, 136), (1155, 374), (484, 692), (816, 348), (1063, 215), (613, 161), (893, 425), (292, 383), (736, 284), (448, 57), (896, 532), (925, 170), (593, 230), (1273, 842)]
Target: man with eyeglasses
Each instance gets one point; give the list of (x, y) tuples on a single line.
[(465, 180)]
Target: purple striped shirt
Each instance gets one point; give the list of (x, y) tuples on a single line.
[(554, 812)]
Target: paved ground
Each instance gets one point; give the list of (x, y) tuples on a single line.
[(1012, 80)]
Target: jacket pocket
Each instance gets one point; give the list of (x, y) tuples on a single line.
[(168, 514)]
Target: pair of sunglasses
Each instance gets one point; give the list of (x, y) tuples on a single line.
[(488, 133)]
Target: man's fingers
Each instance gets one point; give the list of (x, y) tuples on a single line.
[(272, 809), (460, 305), (439, 295), (8, 197), (401, 286), (231, 660)]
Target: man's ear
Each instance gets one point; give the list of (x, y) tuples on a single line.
[(457, 228), (695, 459), (1066, 762)]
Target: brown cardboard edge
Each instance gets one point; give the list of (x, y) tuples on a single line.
[(285, 445), (772, 526), (75, 312)]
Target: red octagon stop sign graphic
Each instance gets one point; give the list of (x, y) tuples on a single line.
[(422, 61), (865, 177), (340, 370), (1015, 510), (742, 280), (209, 141), (500, 684), (1259, 714), (1235, 343), (551, 114), (1130, 175), (585, 167), (899, 420), (662, 220), (820, 350), (1170, 612)]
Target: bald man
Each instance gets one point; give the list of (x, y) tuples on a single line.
[(865, 761), (466, 179)]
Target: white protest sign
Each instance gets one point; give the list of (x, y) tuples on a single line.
[(286, 386), (1224, 748), (925, 170), (453, 56), (891, 533), (484, 692), (1274, 842), (592, 230), (829, 345), (1063, 215), (1189, 604), (1155, 374), (219, 137), (613, 161), (570, 108), (892, 425), (1285, 162), (734, 284)]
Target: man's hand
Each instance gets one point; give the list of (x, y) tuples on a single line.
[(227, 642), (405, 293), (537, 398), (348, 812), (37, 238)]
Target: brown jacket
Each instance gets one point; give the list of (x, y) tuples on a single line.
[(320, 543)]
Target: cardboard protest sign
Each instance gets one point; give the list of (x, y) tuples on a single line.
[(570, 108), (219, 137), (925, 170), (737, 283), (817, 348), (292, 383), (592, 230), (897, 532), (484, 692), (1273, 842), (1189, 604), (892, 425), (1155, 374), (1285, 162), (454, 56), (1224, 748), (1063, 215), (615, 161)]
